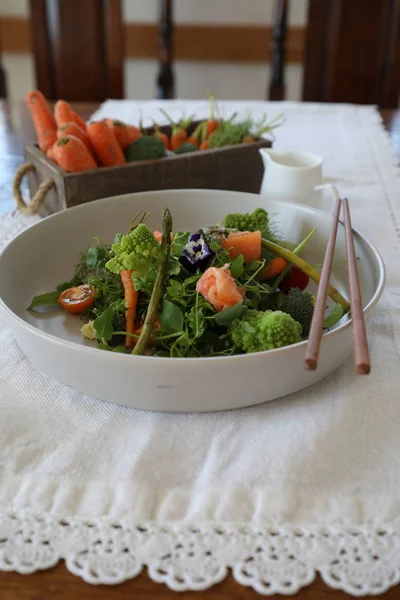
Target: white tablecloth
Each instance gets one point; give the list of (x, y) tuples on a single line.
[(276, 492)]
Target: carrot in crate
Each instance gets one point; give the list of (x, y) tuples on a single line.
[(212, 123), (42, 118), (179, 135), (125, 134), (162, 136), (72, 128), (72, 154), (105, 144), (64, 113), (50, 153), (197, 135)]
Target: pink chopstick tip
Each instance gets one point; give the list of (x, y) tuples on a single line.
[(310, 364), (363, 369)]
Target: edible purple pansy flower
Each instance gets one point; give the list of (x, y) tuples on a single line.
[(196, 255)]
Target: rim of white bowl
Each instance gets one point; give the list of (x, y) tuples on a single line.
[(119, 356)]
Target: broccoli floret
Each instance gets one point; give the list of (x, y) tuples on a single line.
[(137, 251), (257, 220), (299, 305), (267, 330)]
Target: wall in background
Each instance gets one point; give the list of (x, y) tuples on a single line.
[(193, 79)]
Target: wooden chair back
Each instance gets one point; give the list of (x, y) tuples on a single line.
[(3, 86), (78, 48), (352, 52)]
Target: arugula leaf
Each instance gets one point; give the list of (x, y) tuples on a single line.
[(95, 257), (121, 350), (145, 284), (225, 317), (195, 320), (237, 267), (174, 266), (176, 285), (103, 324), (170, 317), (180, 347), (180, 241), (49, 299), (253, 265), (334, 316)]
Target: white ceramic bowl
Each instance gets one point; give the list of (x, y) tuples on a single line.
[(45, 254)]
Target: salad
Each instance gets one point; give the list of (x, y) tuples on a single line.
[(230, 288)]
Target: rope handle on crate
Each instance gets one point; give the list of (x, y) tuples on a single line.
[(33, 207)]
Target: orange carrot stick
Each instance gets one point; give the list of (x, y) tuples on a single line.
[(105, 144), (43, 121), (72, 154), (131, 300), (273, 268)]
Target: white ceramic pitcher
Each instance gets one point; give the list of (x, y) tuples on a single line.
[(296, 176)]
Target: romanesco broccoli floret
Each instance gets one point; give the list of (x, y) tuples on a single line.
[(299, 305), (259, 331), (136, 251), (257, 220)]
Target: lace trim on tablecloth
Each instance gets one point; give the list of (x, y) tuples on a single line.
[(271, 560)]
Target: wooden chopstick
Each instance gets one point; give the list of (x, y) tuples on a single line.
[(361, 352), (317, 323)]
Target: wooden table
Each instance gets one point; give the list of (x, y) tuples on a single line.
[(16, 129)]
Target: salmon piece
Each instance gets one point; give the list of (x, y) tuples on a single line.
[(158, 236), (219, 288), (247, 243)]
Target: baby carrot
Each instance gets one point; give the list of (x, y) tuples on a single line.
[(50, 153), (72, 154), (197, 135), (64, 113), (205, 145), (179, 135), (78, 120), (123, 132), (43, 121), (212, 123), (162, 136), (273, 268), (72, 128), (105, 144), (133, 133), (131, 300)]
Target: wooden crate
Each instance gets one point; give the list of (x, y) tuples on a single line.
[(238, 167)]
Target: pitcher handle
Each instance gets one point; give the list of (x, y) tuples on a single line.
[(333, 189)]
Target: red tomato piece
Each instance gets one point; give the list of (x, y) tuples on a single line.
[(76, 299), (294, 279)]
